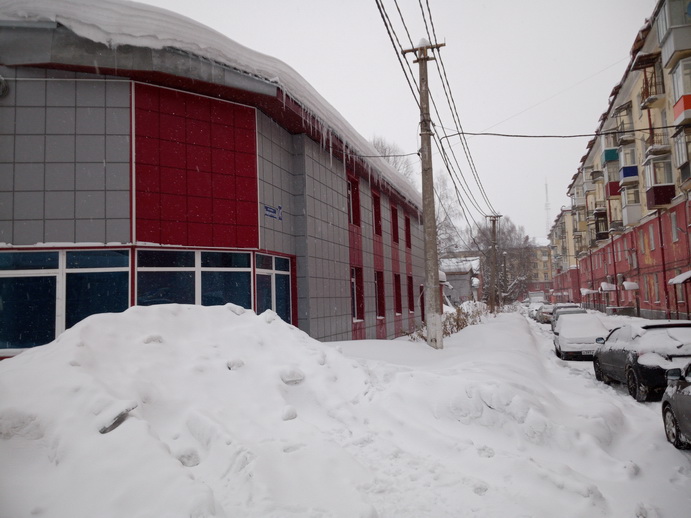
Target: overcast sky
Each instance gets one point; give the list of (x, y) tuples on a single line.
[(520, 67)]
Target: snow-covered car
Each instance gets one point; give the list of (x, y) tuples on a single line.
[(544, 313), (568, 310), (575, 335), (533, 307), (639, 355), (676, 407)]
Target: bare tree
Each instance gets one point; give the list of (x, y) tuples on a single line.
[(395, 156), (515, 254), (448, 216)]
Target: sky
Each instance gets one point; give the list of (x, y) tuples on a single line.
[(225, 413), (538, 67)]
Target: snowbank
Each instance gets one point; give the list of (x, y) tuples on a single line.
[(226, 413)]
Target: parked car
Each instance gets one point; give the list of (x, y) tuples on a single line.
[(569, 310), (544, 313), (639, 355), (533, 308), (575, 335), (676, 407)]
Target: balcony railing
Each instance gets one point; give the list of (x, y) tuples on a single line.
[(653, 92), (657, 144)]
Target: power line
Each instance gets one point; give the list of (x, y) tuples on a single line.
[(441, 68), (566, 136)]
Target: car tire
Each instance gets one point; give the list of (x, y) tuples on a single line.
[(672, 429), (637, 390), (599, 375), (557, 352)]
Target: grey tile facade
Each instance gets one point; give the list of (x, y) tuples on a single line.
[(64, 158)]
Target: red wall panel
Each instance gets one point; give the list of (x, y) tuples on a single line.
[(196, 170)]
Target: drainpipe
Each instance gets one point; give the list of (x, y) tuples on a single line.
[(614, 262), (668, 314), (592, 280)]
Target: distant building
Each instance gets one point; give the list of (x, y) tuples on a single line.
[(463, 278), (146, 159)]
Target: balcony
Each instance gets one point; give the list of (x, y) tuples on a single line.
[(631, 214), (682, 110), (628, 174), (612, 189), (597, 176), (610, 155), (653, 90), (657, 144), (659, 196), (675, 43), (616, 227), (625, 134), (577, 201)]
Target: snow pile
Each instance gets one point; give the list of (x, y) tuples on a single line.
[(121, 22), (192, 411)]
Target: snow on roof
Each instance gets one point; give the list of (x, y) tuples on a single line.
[(460, 264), (121, 22), (629, 286), (607, 286), (681, 278)]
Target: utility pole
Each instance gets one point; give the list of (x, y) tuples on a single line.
[(493, 263), (432, 294)]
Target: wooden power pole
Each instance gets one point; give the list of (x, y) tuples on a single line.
[(432, 293), (493, 264)]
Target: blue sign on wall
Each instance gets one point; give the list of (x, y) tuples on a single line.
[(273, 212)]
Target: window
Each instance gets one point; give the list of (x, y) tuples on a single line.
[(631, 196), (682, 148), (681, 79), (397, 296), (273, 285), (408, 239), (394, 224), (627, 156), (357, 299), (651, 234), (673, 224), (411, 295), (195, 277), (376, 213), (656, 288), (165, 277), (379, 294), (91, 288), (32, 311), (641, 241), (353, 202), (658, 172), (27, 310)]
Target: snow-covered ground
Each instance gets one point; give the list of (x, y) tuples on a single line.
[(233, 414)]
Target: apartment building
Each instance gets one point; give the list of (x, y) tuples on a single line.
[(630, 195)]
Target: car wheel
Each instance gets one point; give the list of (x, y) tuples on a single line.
[(637, 390), (672, 429), (557, 352), (599, 375)]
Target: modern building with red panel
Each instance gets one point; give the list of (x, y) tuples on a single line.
[(146, 159)]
